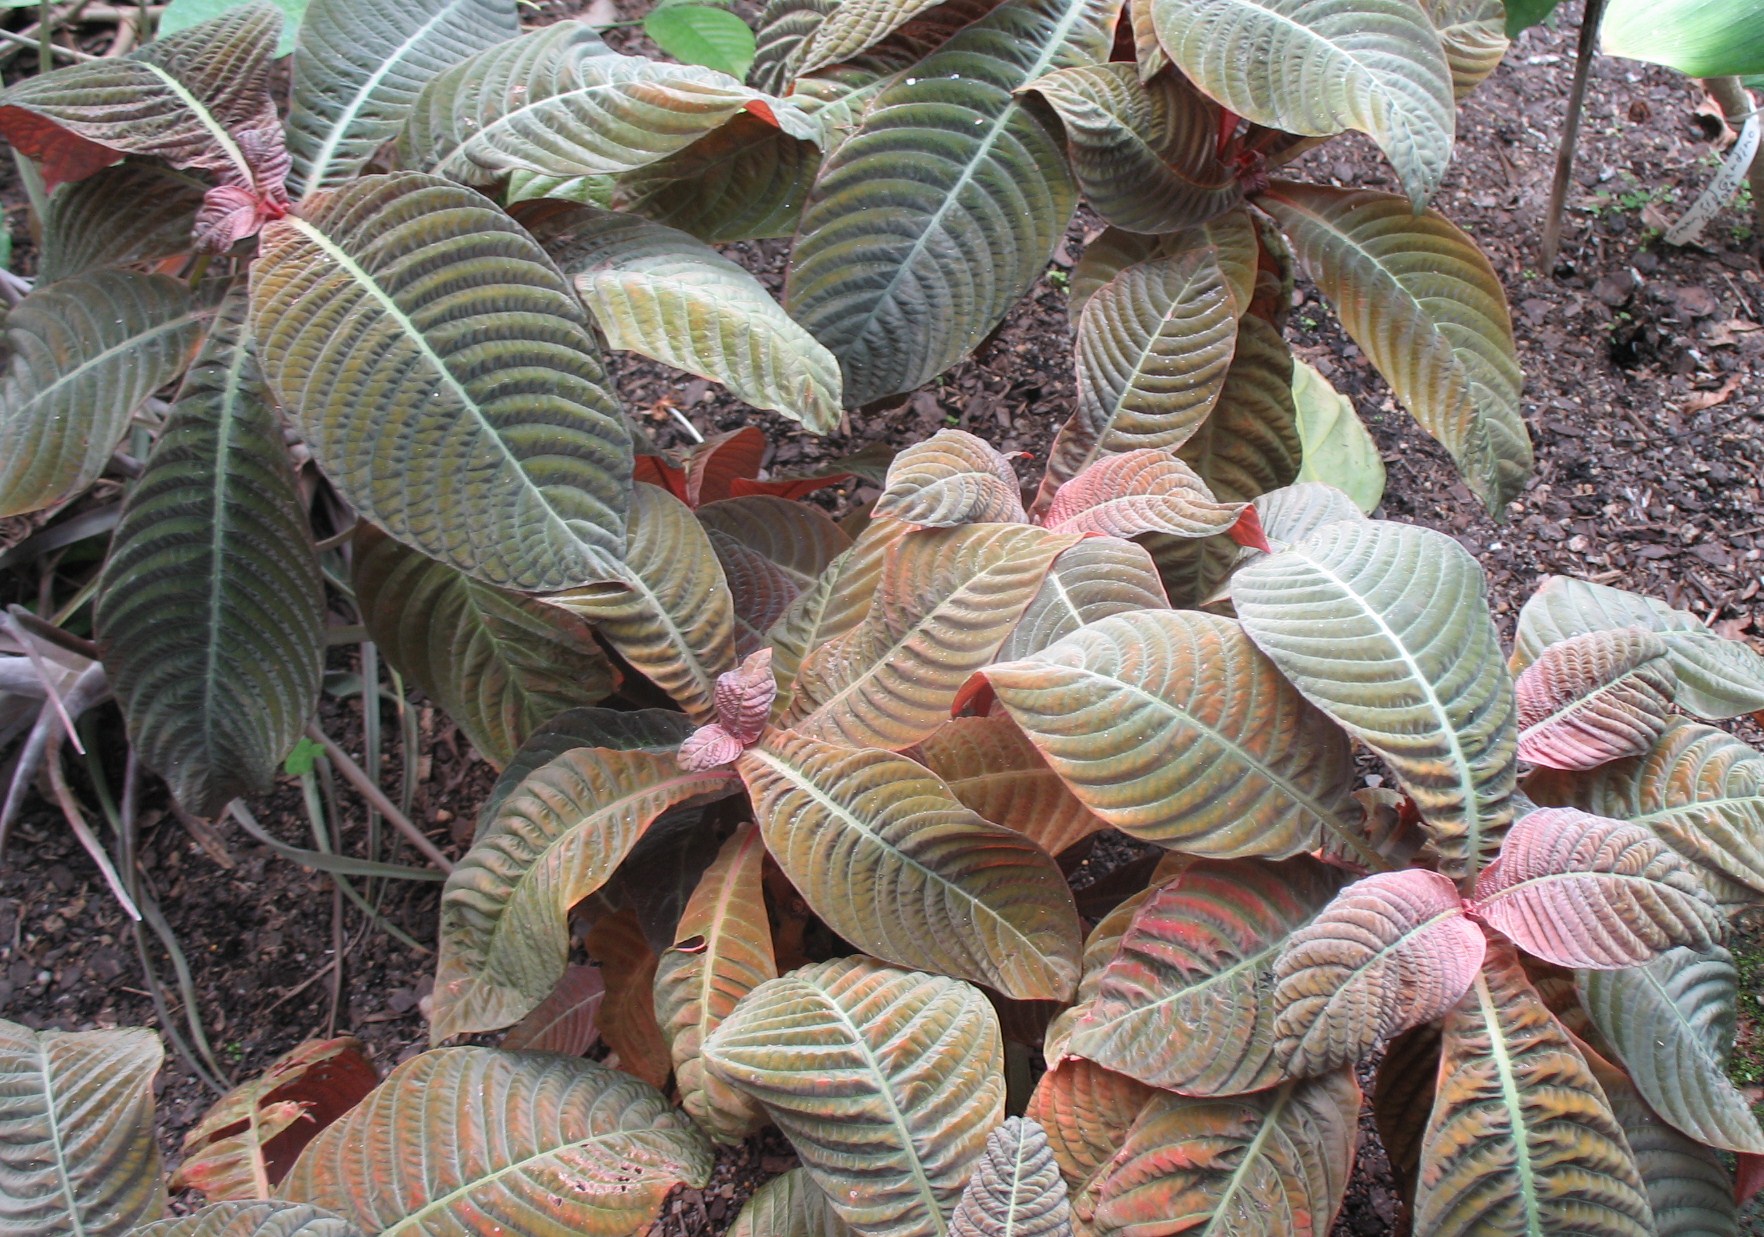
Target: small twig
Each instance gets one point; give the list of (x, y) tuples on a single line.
[(76, 820), (19, 40), (302, 986), (352, 773), (10, 623), (691, 429)]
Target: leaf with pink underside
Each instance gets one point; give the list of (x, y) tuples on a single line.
[(1146, 491), (1595, 698)]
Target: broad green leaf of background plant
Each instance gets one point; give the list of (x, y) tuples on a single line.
[(498, 663), (668, 611), (1521, 1139), (477, 1141), (211, 608), (133, 212), (1338, 449), (504, 932), (900, 275), (86, 352), (259, 1218), (1145, 155), (1185, 1002), (744, 180), (649, 730), (390, 316), (1418, 295), (670, 297), (1316, 67), (1016, 1187), (1098, 577), (882, 851), (1595, 698), (1522, 14), (722, 951), (994, 770), (1172, 727), (1386, 628), (1276, 1161), (359, 66), (1700, 789), (1699, 38), (886, 1082), (183, 14), (789, 1205), (80, 1157), (1717, 678), (1671, 1023), (1474, 36), (702, 35)]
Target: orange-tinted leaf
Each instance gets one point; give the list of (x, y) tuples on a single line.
[(993, 768), (1147, 491), (564, 1021), (627, 1012)]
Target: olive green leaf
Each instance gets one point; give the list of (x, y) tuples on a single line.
[(994, 770), (785, 28), (359, 66), (1097, 577), (477, 1141), (1338, 448), (80, 1158), (649, 730), (1422, 300), (1316, 67), (257, 1218), (886, 1082), (1386, 627), (1172, 727), (789, 1205), (951, 478), (853, 27), (558, 838), (881, 850), (389, 316), (659, 292), (771, 550), (85, 353), (1473, 34), (900, 275), (745, 180), (133, 212), (1016, 1188)]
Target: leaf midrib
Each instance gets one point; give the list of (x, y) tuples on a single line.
[(67, 377), (217, 132), (220, 529), (52, 1115), (1510, 1100), (1251, 1154)]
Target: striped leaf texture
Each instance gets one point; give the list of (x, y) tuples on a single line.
[(781, 38), (211, 606), (1099, 947), (994, 770), (1145, 154), (1521, 1139), (473, 1142), (1671, 1023), (772, 550), (789, 1205), (853, 28), (884, 853), (498, 663), (1583, 891), (504, 931), (1154, 346), (744, 180), (1272, 1163), (1085, 1111), (832, 605), (359, 66), (1717, 678), (1595, 698), (1187, 1001), (78, 1153), (391, 316), (1418, 295), (1391, 951), (1473, 35), (1316, 67), (886, 1082), (258, 1218), (84, 353), (1235, 237), (947, 600), (901, 275), (722, 951), (1107, 255), (951, 478), (650, 730), (563, 1022), (1293, 512), (668, 296), (1096, 578), (1386, 628), (1016, 1188), (1147, 491), (669, 611), (1700, 789), (134, 212), (557, 101), (1172, 727)]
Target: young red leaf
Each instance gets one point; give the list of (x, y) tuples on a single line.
[(708, 747), (717, 463), (656, 470), (1248, 531), (1595, 698), (1145, 491), (744, 697)]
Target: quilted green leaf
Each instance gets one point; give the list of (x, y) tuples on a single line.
[(785, 27), (1317, 67), (359, 66), (789, 1205), (85, 352), (259, 1218), (993, 768), (1473, 34), (1386, 627), (853, 27), (949, 479), (745, 180), (649, 730), (1016, 1188), (211, 607), (900, 275), (1172, 727), (1096, 578), (446, 379), (473, 1142), (886, 1082), (884, 853), (674, 299), (133, 212)]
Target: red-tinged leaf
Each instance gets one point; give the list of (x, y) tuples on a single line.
[(993, 768), (61, 155), (1579, 890), (1390, 952), (247, 1142), (708, 747), (1144, 491), (1248, 531), (785, 487), (1595, 698), (565, 1021), (627, 1012), (657, 471), (1086, 1111), (744, 697), (715, 464), (1748, 1177), (951, 478)]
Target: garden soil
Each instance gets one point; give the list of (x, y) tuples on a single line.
[(1644, 392)]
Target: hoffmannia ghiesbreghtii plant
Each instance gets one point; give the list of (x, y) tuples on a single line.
[(784, 803)]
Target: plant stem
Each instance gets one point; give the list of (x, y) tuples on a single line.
[(352, 773), (1589, 41)]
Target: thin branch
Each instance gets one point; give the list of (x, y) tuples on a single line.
[(352, 773), (1589, 42)]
